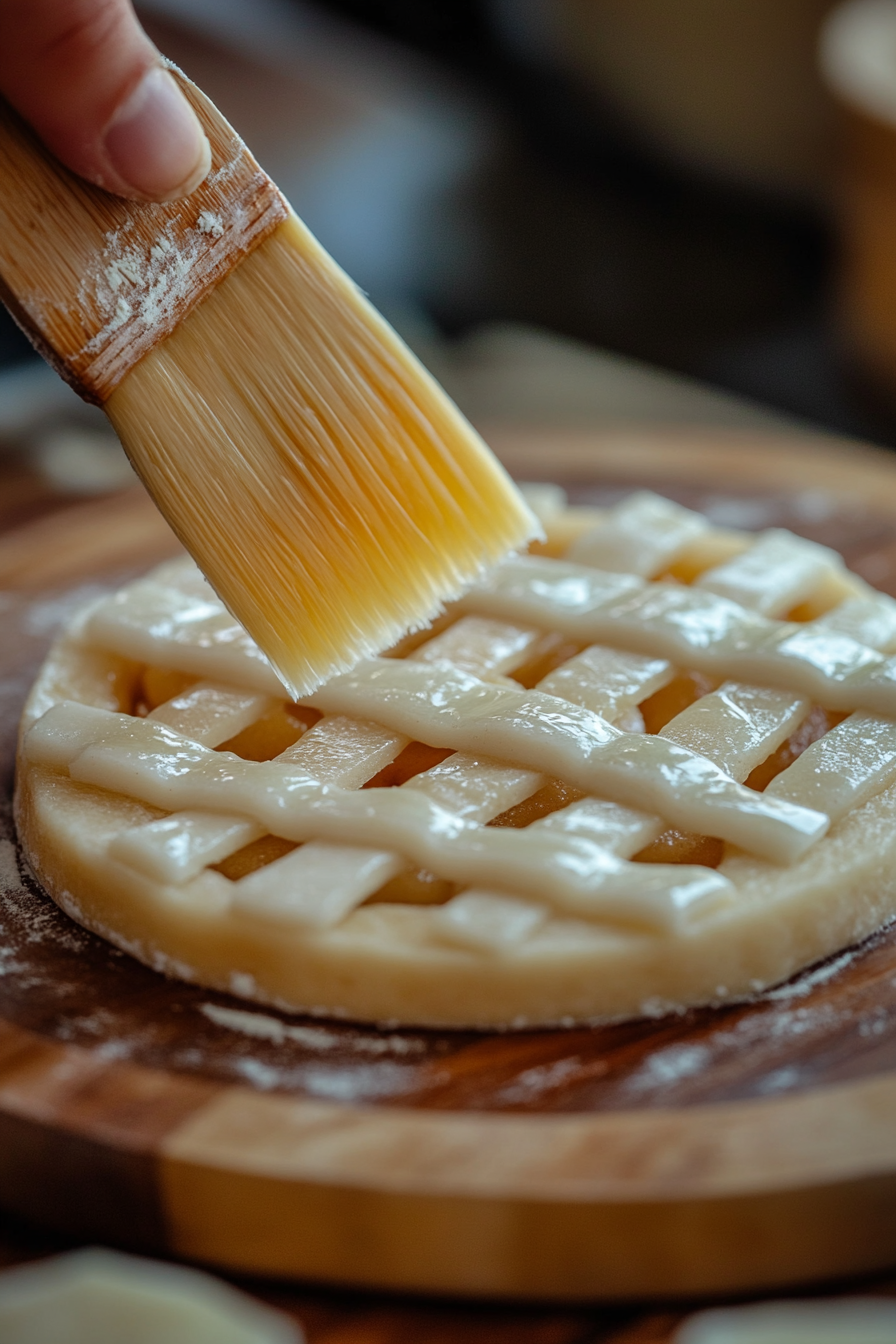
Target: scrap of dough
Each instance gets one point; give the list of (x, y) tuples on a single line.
[(857, 1320), (102, 1297)]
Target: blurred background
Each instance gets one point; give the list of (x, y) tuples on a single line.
[(575, 210)]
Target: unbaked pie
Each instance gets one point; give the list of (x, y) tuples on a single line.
[(651, 765)]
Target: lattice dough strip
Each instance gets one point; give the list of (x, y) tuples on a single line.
[(175, 848), (480, 645), (480, 789), (491, 922), (344, 751), (692, 628), (147, 761), (776, 573), (843, 769), (688, 626), (447, 708), (607, 681), (316, 885), (515, 641), (868, 620), (321, 888), (642, 535), (591, 884), (486, 921), (651, 897), (338, 750), (320, 884), (621, 830), (211, 713), (738, 727), (170, 624), (470, 787), (475, 788)]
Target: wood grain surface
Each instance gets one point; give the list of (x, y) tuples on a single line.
[(586, 1162)]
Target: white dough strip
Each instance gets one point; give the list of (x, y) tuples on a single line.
[(445, 708), (738, 727), (342, 751), (475, 787), (337, 750), (843, 769), (692, 628), (869, 620), (319, 884), (150, 762), (642, 535), (479, 645), (838, 772), (316, 885), (488, 921), (622, 830), (212, 714), (180, 629), (176, 848), (607, 681), (778, 571), (348, 752), (449, 708), (177, 627)]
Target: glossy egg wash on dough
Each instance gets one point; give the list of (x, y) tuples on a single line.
[(650, 766)]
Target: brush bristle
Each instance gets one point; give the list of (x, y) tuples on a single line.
[(323, 482)]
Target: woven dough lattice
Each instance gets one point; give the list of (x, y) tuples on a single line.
[(653, 765)]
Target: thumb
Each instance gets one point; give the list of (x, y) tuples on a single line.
[(93, 86)]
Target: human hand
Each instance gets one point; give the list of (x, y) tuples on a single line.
[(93, 86)]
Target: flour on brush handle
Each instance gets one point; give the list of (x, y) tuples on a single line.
[(96, 281), (332, 494)]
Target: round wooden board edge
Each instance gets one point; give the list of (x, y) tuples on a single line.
[(714, 1199), (711, 1199), (688, 1201), (858, 473)]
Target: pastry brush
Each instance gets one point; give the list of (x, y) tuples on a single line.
[(326, 486)]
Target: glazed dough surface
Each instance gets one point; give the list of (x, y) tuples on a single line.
[(524, 707)]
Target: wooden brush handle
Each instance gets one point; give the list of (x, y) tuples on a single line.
[(95, 281)]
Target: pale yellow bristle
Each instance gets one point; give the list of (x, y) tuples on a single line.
[(324, 483)]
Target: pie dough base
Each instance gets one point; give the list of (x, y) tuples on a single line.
[(382, 963)]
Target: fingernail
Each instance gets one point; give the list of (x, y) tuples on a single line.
[(155, 141)]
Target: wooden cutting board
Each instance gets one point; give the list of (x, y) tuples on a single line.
[(723, 1150)]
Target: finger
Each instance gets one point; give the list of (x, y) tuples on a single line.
[(93, 86)]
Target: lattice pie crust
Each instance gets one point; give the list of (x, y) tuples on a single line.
[(653, 765)]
